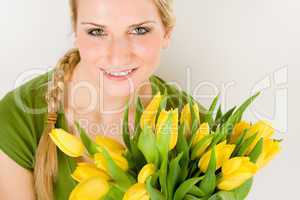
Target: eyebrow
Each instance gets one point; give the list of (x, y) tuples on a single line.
[(133, 25)]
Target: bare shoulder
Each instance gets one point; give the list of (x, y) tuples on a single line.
[(16, 182)]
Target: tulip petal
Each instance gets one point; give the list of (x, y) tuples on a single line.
[(186, 116), (270, 149), (145, 172), (202, 131), (263, 129), (101, 162), (223, 153), (66, 142), (235, 172), (238, 130), (91, 189), (149, 114), (110, 144), (85, 171), (136, 192)]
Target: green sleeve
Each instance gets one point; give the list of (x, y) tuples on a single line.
[(20, 127)]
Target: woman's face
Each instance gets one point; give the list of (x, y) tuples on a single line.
[(118, 35)]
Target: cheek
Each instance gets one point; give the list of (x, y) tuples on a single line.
[(89, 48), (148, 49)]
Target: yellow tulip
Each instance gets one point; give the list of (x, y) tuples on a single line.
[(263, 129), (186, 116), (235, 172), (162, 118), (202, 131), (85, 171), (201, 147), (270, 149), (66, 142), (93, 188), (223, 153), (110, 144), (101, 162), (137, 192), (238, 130), (145, 172), (149, 114)]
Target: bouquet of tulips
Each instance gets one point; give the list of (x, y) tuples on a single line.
[(172, 154)]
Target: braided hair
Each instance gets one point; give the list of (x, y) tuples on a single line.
[(46, 165)]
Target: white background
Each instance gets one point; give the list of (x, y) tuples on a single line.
[(228, 46)]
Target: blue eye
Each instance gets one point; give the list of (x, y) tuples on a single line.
[(96, 32), (142, 30)]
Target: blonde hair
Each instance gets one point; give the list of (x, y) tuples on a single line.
[(46, 164)]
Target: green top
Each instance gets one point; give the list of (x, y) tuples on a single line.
[(23, 117)]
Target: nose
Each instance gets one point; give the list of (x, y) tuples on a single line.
[(120, 52)]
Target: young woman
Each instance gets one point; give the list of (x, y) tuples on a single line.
[(117, 49)]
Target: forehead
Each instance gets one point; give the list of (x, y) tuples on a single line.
[(114, 10)]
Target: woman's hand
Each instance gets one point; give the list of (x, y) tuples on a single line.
[(15, 181)]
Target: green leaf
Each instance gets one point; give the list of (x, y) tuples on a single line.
[(237, 115), (208, 184), (225, 117), (182, 146), (195, 120), (201, 146), (196, 191), (217, 118), (242, 191), (114, 193), (239, 142), (136, 156), (153, 193), (147, 145), (138, 112), (173, 174), (218, 136), (246, 144), (255, 153), (172, 98), (163, 171), (223, 195), (219, 113), (185, 187), (123, 179), (89, 144), (209, 116), (156, 85), (125, 132), (137, 128), (191, 197)]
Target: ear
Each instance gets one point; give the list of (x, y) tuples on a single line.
[(167, 37)]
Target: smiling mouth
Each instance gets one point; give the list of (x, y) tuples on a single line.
[(119, 74)]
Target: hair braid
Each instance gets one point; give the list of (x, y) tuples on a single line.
[(46, 165)]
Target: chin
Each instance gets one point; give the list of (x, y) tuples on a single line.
[(123, 88)]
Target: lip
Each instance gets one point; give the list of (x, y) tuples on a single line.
[(119, 78), (123, 70)]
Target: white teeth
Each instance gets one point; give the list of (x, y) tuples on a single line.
[(124, 73)]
